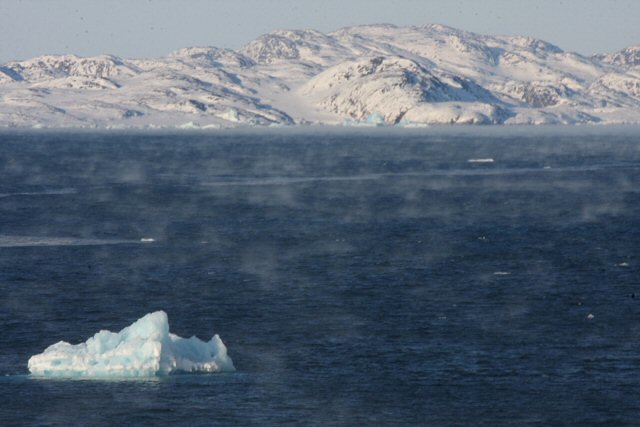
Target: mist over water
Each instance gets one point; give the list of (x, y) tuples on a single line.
[(357, 278)]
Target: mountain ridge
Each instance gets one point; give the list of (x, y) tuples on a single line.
[(359, 75)]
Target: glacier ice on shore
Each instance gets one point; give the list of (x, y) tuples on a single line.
[(144, 349)]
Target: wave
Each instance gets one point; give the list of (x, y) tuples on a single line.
[(282, 180), (285, 180), (59, 192), (27, 241)]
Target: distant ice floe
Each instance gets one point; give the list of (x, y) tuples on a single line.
[(413, 125), (487, 160), (144, 349), (197, 126)]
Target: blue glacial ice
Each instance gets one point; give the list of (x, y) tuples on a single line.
[(144, 349)]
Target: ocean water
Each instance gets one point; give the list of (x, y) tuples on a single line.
[(356, 277)]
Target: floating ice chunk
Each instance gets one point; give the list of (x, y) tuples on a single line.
[(488, 160), (590, 316), (212, 126), (143, 349), (189, 125), (375, 119), (197, 126), (357, 124), (147, 240), (413, 125), (372, 120)]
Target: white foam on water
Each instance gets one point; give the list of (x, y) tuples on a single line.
[(25, 241), (283, 180), (59, 192), (280, 180), (144, 349)]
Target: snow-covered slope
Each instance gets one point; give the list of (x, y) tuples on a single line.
[(625, 58), (399, 90), (376, 74)]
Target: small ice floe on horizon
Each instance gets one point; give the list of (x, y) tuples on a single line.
[(373, 120), (590, 316), (547, 167), (501, 273), (623, 264), (487, 160), (198, 126), (147, 240), (188, 125), (412, 125), (144, 349)]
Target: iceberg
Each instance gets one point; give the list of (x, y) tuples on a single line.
[(487, 160), (144, 349), (375, 119)]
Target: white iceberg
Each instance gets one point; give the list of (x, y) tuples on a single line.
[(144, 349), (487, 160)]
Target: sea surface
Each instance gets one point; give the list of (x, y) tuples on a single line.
[(445, 276)]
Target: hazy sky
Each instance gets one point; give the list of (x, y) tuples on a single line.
[(146, 28)]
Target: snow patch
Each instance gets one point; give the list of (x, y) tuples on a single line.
[(231, 115)]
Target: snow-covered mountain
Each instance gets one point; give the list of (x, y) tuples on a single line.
[(374, 74)]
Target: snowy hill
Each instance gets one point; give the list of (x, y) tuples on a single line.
[(625, 58), (400, 90), (373, 74)]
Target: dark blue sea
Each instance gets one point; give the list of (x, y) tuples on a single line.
[(357, 277)]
